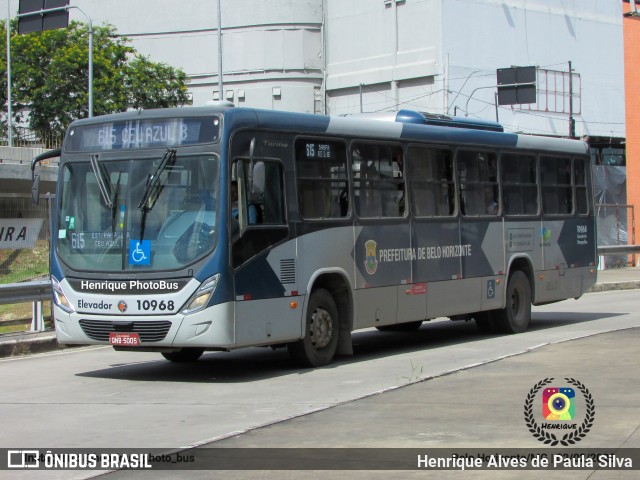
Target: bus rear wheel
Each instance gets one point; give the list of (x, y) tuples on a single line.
[(184, 355), (320, 341), (516, 315)]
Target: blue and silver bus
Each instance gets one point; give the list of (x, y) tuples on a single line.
[(187, 230)]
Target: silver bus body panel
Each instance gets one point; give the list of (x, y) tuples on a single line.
[(397, 269)]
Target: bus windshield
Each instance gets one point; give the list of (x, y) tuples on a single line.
[(142, 214)]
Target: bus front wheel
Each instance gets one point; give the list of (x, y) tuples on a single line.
[(320, 341), (516, 315), (184, 355)]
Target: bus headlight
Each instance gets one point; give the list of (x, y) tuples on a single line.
[(202, 296), (60, 298)]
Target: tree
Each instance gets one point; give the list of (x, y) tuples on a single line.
[(154, 85), (50, 77)]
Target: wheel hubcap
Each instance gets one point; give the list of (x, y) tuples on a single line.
[(515, 303), (320, 328)]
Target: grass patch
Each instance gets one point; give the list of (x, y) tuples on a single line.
[(19, 316), (24, 264), (23, 327)]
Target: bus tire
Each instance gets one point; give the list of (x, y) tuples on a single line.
[(516, 315), (320, 341), (401, 327), (190, 354)]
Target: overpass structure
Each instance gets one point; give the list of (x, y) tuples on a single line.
[(15, 171)]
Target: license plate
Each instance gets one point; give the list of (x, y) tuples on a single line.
[(124, 339)]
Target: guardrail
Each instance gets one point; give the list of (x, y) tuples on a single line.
[(618, 249), (35, 292), (25, 292)]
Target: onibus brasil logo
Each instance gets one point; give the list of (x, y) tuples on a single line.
[(560, 411)]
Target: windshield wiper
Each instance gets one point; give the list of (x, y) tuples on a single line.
[(154, 187), (153, 182), (115, 204), (102, 176)]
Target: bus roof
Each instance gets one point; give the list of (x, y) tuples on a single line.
[(406, 125)]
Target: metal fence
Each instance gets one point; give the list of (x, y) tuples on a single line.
[(27, 138), (26, 264), (25, 269), (616, 226)]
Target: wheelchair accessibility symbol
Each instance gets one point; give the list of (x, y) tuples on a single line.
[(491, 289), (140, 252)]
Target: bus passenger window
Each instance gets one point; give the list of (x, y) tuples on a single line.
[(430, 176), (557, 193), (580, 182), (477, 176), (519, 184), (378, 180), (323, 190)]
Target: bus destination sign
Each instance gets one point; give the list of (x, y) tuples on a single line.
[(318, 150), (143, 133)]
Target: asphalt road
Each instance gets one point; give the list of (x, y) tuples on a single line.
[(96, 397)]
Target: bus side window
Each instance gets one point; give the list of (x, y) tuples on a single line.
[(365, 174), (557, 194), (321, 168), (519, 184), (477, 176), (430, 176), (378, 180), (580, 182)]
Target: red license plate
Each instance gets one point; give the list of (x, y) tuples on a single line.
[(120, 339)]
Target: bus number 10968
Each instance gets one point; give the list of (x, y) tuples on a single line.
[(154, 305)]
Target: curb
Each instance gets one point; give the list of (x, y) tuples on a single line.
[(608, 286), (25, 345)]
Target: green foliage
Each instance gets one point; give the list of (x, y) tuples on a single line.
[(154, 85), (50, 76)]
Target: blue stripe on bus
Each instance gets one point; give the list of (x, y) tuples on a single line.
[(237, 118), (457, 136)]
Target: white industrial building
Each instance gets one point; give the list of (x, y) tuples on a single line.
[(347, 56)]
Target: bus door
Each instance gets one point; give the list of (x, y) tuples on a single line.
[(263, 262), (481, 248), (435, 226), (383, 250)]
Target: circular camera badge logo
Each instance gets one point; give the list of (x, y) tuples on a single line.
[(122, 306), (565, 411)]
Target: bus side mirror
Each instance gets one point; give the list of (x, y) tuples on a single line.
[(35, 189), (35, 186), (257, 180)]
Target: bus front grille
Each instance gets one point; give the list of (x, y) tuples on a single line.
[(148, 331)]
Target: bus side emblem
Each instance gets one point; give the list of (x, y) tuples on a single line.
[(371, 262), (122, 306)]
